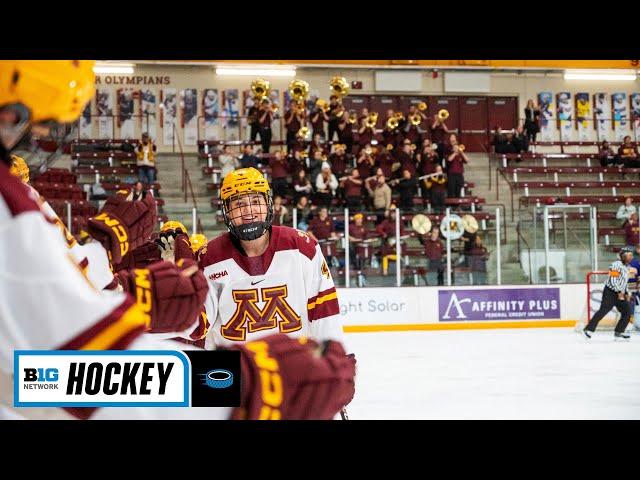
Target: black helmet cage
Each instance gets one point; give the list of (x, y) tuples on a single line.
[(253, 230)]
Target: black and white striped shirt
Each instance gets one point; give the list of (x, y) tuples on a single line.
[(618, 277)]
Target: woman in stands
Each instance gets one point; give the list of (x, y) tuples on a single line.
[(531, 120)]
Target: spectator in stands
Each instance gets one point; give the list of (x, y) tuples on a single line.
[(313, 164), (146, 161), (137, 192), (352, 186), (455, 173), (322, 227), (280, 212), (436, 187), (228, 162), (406, 187), (279, 171), (498, 140), (607, 156), (293, 121), (253, 119), (380, 195), (439, 131), (478, 257), (316, 144), (390, 136), (520, 141), (384, 160), (632, 231), (338, 160), (357, 233), (301, 185), (335, 107), (296, 161), (434, 251), (628, 153), (412, 132), (625, 211), (303, 212), (531, 120), (248, 159), (365, 161), (265, 119), (326, 185), (387, 230), (345, 133), (318, 118)]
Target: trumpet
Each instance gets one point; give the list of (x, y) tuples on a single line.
[(339, 86), (422, 106), (443, 115), (416, 119), (461, 147), (274, 108), (392, 123), (353, 118)]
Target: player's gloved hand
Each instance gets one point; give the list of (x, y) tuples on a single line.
[(172, 295), (144, 255), (294, 379), (122, 226), (174, 245)]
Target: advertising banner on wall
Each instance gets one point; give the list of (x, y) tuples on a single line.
[(634, 101), (547, 126), (169, 106), (211, 108), (104, 107), (231, 113), (584, 118), (189, 115), (126, 107), (620, 115), (565, 116), (148, 106), (602, 110), (86, 125)]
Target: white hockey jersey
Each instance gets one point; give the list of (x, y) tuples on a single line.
[(287, 289)]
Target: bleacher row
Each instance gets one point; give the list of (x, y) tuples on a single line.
[(110, 167), (574, 179)]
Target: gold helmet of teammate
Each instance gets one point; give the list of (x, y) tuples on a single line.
[(43, 93), (241, 184), (198, 241), (19, 168), (172, 225)]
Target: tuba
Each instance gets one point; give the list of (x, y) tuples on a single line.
[(339, 86), (299, 91), (260, 89), (443, 115)]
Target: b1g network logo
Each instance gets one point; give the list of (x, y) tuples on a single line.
[(123, 378)]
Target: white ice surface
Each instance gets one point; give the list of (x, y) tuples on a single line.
[(547, 373)]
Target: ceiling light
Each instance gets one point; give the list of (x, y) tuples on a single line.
[(257, 72), (106, 68), (613, 75)]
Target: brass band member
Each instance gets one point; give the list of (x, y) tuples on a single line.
[(345, 130), (265, 119), (318, 118), (439, 131), (294, 119), (413, 132), (436, 185), (336, 112), (253, 120), (391, 135)]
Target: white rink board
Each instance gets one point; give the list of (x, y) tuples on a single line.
[(419, 305)]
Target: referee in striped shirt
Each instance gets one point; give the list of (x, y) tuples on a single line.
[(616, 294)]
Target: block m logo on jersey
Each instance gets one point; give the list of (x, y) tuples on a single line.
[(249, 317)]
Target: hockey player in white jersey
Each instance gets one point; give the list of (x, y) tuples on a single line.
[(47, 303), (263, 278)]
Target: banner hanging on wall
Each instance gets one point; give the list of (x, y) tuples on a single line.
[(602, 111), (86, 125), (211, 108), (634, 101), (620, 115), (189, 117), (231, 114), (584, 116), (169, 106), (148, 109), (125, 113), (547, 127), (104, 107), (565, 116)]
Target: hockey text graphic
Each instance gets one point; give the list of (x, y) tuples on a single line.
[(118, 378), (249, 317)]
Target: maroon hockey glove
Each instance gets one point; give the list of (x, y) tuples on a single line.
[(141, 257), (172, 295), (122, 226), (294, 379)]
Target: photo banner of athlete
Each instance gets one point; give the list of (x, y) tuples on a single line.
[(634, 102), (211, 109), (148, 108), (584, 118), (565, 116), (104, 108), (602, 115), (189, 115), (169, 106), (126, 106), (547, 127), (620, 115)]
